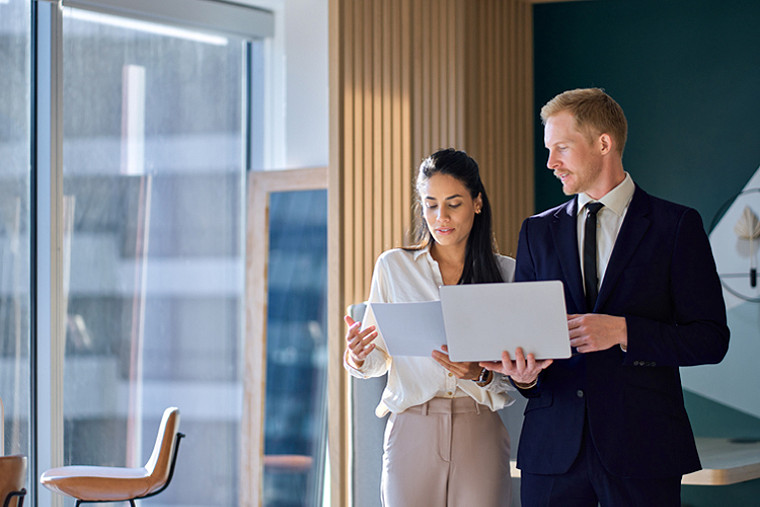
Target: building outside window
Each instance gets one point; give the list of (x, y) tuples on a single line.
[(15, 224)]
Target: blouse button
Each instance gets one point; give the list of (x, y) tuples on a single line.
[(451, 374)]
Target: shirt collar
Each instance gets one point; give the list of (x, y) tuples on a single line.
[(422, 251), (616, 200)]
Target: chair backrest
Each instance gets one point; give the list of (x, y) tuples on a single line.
[(366, 432), (12, 478), (159, 464)]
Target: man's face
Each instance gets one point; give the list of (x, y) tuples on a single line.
[(575, 161)]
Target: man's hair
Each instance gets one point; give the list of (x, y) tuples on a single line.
[(594, 111)]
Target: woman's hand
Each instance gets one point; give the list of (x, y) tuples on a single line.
[(522, 370), (464, 371), (359, 342)]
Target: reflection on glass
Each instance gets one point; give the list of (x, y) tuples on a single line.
[(15, 113), (154, 176), (296, 349)]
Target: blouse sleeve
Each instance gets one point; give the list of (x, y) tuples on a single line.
[(506, 267), (378, 362), (499, 384)]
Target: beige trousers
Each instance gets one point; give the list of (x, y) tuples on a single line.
[(446, 453)]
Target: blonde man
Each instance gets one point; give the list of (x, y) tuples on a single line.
[(608, 425)]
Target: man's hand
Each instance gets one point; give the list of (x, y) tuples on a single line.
[(592, 332), (522, 370)]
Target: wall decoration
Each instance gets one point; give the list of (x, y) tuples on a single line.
[(735, 244), (738, 254)]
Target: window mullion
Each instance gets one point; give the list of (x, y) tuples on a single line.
[(51, 307)]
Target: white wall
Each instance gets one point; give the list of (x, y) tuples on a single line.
[(300, 89), (306, 131)]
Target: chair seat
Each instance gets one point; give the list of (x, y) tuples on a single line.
[(96, 483)]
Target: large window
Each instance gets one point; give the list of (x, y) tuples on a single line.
[(130, 133), (159, 119), (154, 164), (15, 180)]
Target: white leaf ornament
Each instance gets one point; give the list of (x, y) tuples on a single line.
[(748, 226)]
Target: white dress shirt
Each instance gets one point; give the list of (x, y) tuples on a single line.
[(402, 276), (608, 222)]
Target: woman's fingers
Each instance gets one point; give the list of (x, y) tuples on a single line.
[(442, 359), (467, 371), (359, 340)]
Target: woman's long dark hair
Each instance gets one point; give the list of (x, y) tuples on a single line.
[(479, 263)]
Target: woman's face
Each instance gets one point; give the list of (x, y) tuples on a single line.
[(448, 209)]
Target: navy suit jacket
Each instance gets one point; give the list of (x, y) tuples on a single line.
[(661, 277)]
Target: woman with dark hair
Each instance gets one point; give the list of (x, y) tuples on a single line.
[(445, 445)]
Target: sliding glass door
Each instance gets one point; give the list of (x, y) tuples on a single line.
[(15, 225), (150, 135), (154, 148), (130, 134)]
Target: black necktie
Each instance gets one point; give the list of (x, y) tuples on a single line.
[(590, 277)]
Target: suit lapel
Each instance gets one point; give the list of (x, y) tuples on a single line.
[(635, 225), (565, 234)]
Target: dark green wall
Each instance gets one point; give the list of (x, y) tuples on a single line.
[(687, 74)]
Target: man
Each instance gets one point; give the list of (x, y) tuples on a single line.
[(608, 425)]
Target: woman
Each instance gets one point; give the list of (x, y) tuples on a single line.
[(444, 443)]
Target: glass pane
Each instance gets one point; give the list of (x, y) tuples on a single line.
[(154, 151), (15, 114), (295, 413)]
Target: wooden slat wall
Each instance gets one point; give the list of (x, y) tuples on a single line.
[(499, 109), (408, 77)]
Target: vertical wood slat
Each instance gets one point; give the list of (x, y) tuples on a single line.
[(387, 148), (406, 97), (340, 238), (368, 169), (397, 157), (376, 94), (409, 77)]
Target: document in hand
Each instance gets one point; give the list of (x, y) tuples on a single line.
[(482, 320), (409, 329), (478, 322)]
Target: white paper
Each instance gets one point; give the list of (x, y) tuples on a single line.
[(482, 320), (409, 329)]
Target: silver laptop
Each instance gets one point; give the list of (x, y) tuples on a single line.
[(482, 320)]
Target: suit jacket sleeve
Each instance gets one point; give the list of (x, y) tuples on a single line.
[(696, 331)]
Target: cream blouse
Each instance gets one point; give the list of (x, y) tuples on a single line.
[(403, 276)]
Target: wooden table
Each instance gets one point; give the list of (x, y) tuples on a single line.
[(724, 461)]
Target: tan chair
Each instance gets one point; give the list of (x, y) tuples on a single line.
[(95, 484), (12, 480)]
